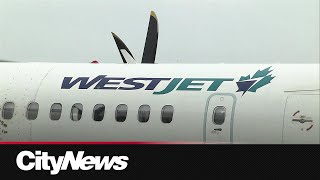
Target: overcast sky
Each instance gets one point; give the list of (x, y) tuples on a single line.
[(190, 31)]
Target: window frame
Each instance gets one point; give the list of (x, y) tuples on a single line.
[(71, 113), (148, 113), (116, 112), (162, 112), (213, 114), (27, 111), (3, 109), (51, 112), (93, 112)]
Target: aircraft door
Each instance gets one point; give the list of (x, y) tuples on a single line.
[(218, 125), (301, 119)]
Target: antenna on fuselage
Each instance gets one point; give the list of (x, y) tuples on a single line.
[(150, 47)]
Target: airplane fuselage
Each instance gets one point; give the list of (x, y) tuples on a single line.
[(210, 103)]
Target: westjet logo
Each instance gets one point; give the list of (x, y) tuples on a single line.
[(42, 161), (150, 84), (104, 82)]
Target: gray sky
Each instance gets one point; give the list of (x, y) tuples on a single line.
[(190, 31)]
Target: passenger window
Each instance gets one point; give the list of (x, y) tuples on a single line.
[(55, 111), (32, 111), (8, 109), (144, 113), (98, 112), (219, 114), (167, 113), (121, 112), (76, 112)]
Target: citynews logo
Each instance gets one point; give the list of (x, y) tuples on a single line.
[(42, 161)]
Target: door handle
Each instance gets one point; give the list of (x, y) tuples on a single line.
[(218, 129), (302, 119)]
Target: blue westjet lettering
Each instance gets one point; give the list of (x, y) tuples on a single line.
[(180, 84)]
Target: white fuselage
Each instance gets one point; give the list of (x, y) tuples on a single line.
[(264, 116)]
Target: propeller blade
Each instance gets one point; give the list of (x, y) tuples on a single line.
[(123, 50), (150, 47), (2, 60)]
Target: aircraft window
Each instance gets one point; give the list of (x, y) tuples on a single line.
[(8, 109), (121, 112), (219, 114), (167, 113), (98, 112), (55, 111), (76, 112), (32, 111), (144, 113)]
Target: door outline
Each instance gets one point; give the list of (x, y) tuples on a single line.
[(206, 114), (285, 110)]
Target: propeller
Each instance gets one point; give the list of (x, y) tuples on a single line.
[(2, 60), (124, 51), (94, 62), (150, 47)]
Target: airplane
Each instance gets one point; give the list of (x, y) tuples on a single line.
[(159, 103)]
